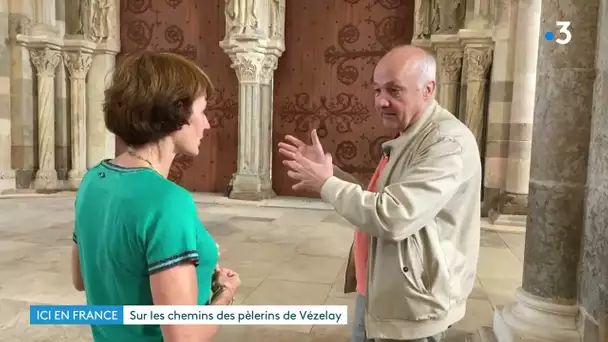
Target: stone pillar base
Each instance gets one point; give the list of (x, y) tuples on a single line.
[(74, 178), (513, 204), (535, 320), (7, 181), (45, 180), (251, 188), (507, 204)]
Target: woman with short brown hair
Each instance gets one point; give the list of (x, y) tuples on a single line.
[(137, 236)]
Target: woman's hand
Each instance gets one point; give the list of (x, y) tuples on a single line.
[(228, 279)]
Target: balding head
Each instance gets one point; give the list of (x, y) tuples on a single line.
[(408, 60), (404, 81)]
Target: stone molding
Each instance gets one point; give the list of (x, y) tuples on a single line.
[(532, 319)]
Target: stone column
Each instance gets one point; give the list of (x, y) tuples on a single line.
[(546, 304), (78, 59), (7, 174), (449, 53), (477, 59), (104, 32), (45, 59), (62, 116), (254, 41), (522, 108)]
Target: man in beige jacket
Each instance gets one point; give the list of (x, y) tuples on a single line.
[(419, 223)]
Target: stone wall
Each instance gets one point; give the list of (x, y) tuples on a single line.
[(56, 56)]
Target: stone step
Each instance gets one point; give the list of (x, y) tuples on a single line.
[(512, 224), (511, 220)]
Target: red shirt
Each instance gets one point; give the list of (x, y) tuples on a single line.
[(361, 247)]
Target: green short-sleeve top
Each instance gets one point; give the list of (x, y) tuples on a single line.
[(129, 224)]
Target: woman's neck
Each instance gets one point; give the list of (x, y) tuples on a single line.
[(157, 156)]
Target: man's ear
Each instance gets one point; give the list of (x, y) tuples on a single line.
[(429, 90)]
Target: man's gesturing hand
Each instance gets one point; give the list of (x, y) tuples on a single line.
[(292, 145), (309, 164)]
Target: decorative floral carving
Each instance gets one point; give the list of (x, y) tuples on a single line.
[(77, 63), (45, 60), (254, 67), (478, 63), (269, 64), (343, 111), (450, 65), (246, 68)]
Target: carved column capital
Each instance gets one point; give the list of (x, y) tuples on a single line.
[(450, 64), (77, 63), (254, 67), (479, 60), (45, 60)]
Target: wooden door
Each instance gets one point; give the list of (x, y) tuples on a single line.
[(324, 79), (192, 28)]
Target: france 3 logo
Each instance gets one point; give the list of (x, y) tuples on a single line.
[(563, 36)]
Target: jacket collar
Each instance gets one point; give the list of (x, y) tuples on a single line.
[(412, 130)]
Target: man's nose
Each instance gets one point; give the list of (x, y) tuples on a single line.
[(382, 102)]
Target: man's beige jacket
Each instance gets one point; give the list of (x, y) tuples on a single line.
[(424, 227)]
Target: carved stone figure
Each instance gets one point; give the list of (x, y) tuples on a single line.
[(101, 20), (84, 14), (422, 18), (448, 16), (96, 19), (241, 17), (277, 19)]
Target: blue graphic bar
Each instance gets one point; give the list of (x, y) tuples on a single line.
[(76, 314)]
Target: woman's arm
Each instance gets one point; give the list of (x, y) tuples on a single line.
[(178, 286), (76, 272)]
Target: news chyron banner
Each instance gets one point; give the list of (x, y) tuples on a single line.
[(180, 315)]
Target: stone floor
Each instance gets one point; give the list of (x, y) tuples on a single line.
[(284, 256)]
